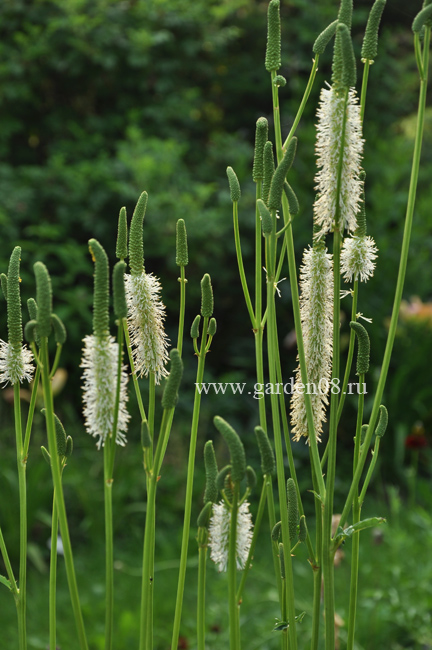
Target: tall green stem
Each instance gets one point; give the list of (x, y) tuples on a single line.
[(21, 464), (58, 490), (189, 489), (202, 558), (53, 579), (234, 630), (402, 269)]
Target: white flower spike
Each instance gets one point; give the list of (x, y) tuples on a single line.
[(331, 149), (219, 529)]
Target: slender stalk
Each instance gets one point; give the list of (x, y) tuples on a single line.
[(189, 489), (234, 631), (303, 101), (202, 560), (402, 269), (183, 281), (31, 411), (240, 264), (356, 536), (109, 550), (350, 356), (8, 565), (21, 464), (58, 490), (53, 579), (258, 520), (364, 89), (369, 472)]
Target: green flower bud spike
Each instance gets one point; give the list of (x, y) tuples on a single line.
[(276, 531), (370, 41), (206, 297), (303, 530), (261, 135), (273, 50), (235, 445), (234, 185), (30, 331), (60, 333), (424, 17), (182, 257), (269, 168), (204, 516), (349, 74), (363, 353), (101, 289), (279, 176), (43, 299), (119, 295), (14, 317), (3, 278), (268, 466), (251, 478), (194, 331), (222, 475), (279, 81), (292, 199), (136, 246), (324, 38), (32, 308), (170, 395), (122, 236), (293, 514), (212, 327), (211, 472), (345, 12), (60, 434), (266, 218), (382, 422)]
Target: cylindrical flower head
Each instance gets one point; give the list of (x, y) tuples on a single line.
[(316, 311), (99, 360), (358, 257), (146, 314), (219, 530), (336, 145), (15, 359)]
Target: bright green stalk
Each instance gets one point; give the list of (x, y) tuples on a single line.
[(58, 490), (317, 572), (240, 263), (350, 356), (303, 101), (356, 536), (272, 521), (109, 552), (258, 519), (272, 352), (202, 558), (183, 281), (56, 360), (257, 324), (53, 579), (370, 471), (189, 489), (402, 268), (21, 463), (364, 89), (234, 630), (31, 410), (9, 570)]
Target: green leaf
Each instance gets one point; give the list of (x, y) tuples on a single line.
[(355, 528), (283, 625), (4, 581)]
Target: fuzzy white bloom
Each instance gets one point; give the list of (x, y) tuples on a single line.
[(358, 257), (329, 147), (316, 311), (146, 314), (219, 529), (99, 360), (16, 363)]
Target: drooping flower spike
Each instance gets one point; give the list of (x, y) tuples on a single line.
[(316, 312), (100, 362), (146, 311), (16, 360)]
